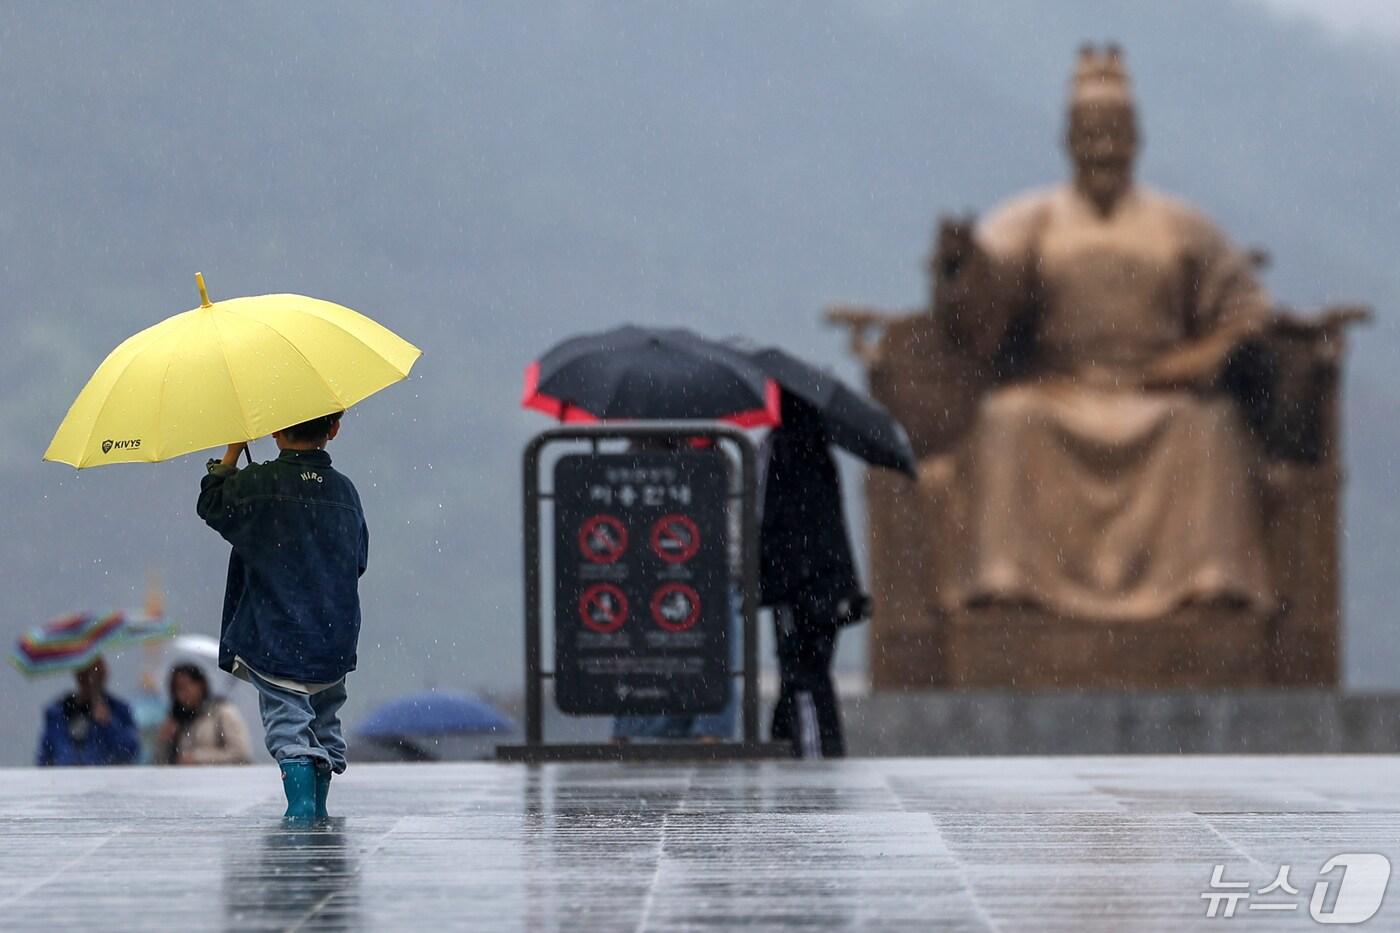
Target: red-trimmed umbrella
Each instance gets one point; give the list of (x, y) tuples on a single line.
[(653, 374), (73, 642)]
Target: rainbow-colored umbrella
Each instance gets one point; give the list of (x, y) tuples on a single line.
[(73, 642)]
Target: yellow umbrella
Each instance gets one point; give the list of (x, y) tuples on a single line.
[(227, 371)]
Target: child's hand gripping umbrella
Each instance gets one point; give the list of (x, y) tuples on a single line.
[(224, 373)]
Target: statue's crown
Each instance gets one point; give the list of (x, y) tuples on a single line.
[(1099, 77)]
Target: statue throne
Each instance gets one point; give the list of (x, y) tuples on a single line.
[(1287, 383)]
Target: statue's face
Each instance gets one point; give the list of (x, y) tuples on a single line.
[(1103, 143)]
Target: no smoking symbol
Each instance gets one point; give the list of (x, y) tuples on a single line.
[(602, 539), (675, 607), (675, 539), (603, 608)]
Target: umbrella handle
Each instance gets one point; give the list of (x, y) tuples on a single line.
[(248, 453)]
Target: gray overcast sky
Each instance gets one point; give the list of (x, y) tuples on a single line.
[(487, 179), (1358, 20)]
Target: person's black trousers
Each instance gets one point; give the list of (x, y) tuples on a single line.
[(806, 713)]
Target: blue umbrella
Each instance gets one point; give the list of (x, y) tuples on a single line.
[(434, 712)]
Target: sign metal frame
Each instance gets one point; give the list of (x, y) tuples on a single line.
[(535, 748)]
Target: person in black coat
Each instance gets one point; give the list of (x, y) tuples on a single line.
[(807, 576)]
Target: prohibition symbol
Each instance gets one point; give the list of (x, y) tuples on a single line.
[(675, 539), (603, 608), (675, 607), (602, 539)]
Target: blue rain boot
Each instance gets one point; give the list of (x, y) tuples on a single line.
[(323, 787), (299, 784)]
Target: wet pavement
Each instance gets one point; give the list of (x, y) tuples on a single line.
[(907, 844)]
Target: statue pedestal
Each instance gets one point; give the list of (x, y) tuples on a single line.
[(1196, 647), (1006, 722)]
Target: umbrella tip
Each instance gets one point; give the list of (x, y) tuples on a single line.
[(203, 292)]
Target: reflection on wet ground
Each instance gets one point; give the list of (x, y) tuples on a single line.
[(292, 875), (1009, 844)]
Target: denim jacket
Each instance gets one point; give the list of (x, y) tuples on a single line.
[(300, 544)]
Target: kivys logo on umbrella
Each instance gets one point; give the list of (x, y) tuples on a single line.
[(110, 445)]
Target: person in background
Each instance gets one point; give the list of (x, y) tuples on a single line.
[(201, 729), (88, 726), (807, 577)]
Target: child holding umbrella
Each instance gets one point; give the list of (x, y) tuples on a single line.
[(292, 606)]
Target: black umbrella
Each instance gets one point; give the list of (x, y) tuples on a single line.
[(852, 420), (650, 373)]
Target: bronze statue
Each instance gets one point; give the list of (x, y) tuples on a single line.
[(1100, 391)]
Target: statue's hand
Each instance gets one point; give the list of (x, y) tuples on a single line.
[(1191, 366), (1175, 372), (955, 246)]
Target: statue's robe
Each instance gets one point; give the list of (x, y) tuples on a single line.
[(1079, 490)]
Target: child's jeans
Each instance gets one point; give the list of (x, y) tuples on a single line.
[(298, 725)]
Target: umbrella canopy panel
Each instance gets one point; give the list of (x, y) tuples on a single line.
[(852, 421), (653, 374), (434, 712), (235, 370), (73, 642), (202, 647)]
